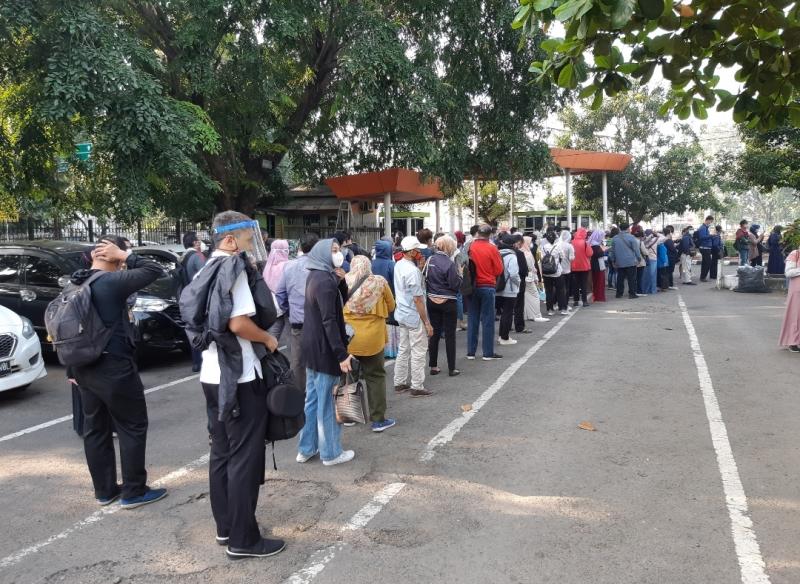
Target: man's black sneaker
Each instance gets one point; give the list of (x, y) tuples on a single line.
[(494, 357), (634, 296), (263, 549), (222, 540)]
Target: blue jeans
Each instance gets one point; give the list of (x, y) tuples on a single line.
[(459, 307), (744, 256), (651, 277), (321, 431), (481, 313)]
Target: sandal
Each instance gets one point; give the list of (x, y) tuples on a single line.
[(435, 371)]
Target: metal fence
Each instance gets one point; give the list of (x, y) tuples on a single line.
[(364, 236), (140, 232)]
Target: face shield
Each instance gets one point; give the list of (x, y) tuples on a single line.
[(248, 239)]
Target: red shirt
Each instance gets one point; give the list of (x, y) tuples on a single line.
[(488, 264)]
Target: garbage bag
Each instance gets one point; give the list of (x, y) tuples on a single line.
[(751, 279)]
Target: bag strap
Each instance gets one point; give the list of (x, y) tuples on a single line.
[(352, 292)]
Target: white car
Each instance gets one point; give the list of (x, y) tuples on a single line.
[(21, 361)]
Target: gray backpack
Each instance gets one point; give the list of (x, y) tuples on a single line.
[(78, 334)]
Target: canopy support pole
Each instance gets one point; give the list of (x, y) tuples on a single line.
[(437, 227), (387, 214), (511, 209), (568, 179), (605, 200)]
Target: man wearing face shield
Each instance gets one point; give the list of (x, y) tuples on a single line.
[(228, 309)]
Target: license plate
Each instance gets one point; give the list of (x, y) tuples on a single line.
[(5, 368)]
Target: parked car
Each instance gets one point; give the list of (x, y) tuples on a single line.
[(21, 361), (32, 273)]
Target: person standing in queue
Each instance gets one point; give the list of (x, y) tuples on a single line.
[(236, 306), (112, 394)]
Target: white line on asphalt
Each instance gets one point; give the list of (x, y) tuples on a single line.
[(97, 516), (449, 431), (323, 557), (751, 563), (44, 425)]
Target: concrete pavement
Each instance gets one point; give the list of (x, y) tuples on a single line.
[(518, 494)]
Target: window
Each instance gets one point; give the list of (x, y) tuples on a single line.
[(9, 269), (331, 220), (311, 219), (167, 263), (40, 272)]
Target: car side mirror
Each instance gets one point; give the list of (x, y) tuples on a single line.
[(64, 280)]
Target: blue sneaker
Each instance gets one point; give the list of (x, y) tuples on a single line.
[(385, 425), (108, 500), (151, 496)]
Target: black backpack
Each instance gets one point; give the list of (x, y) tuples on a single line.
[(500, 282), (78, 334), (549, 263), (285, 401), (468, 279)]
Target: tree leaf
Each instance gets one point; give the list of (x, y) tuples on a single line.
[(565, 77), (539, 5), (570, 9), (621, 13), (652, 9), (522, 14), (699, 109)]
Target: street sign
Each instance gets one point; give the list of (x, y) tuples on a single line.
[(62, 165), (83, 151)]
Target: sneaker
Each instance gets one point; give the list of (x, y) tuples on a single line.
[(348, 424), (586, 305), (564, 313), (381, 426), (641, 294), (618, 296), (401, 388), (420, 393), (633, 296), (454, 373), (672, 288), (704, 280), (795, 348), (494, 357), (470, 357), (542, 319), (524, 332), (150, 496), (263, 549), (345, 456), (108, 500), (508, 341), (689, 284), (301, 458), (222, 540), (550, 313)]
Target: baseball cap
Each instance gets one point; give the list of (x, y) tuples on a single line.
[(410, 242)]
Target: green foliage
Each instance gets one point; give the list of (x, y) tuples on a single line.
[(687, 42), (791, 236), (556, 202), (494, 202), (667, 174)]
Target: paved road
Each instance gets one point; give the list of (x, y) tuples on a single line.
[(511, 491)]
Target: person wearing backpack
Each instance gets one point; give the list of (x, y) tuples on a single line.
[(110, 386), (688, 251), (509, 286), (552, 273), (228, 309), (485, 259), (192, 262)]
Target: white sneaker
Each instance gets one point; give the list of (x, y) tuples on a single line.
[(301, 458), (508, 341), (348, 424), (549, 313), (640, 294), (563, 313), (345, 456), (541, 319), (673, 287)]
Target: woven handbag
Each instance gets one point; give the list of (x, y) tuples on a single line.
[(350, 397)]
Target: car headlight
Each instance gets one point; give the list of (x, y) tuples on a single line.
[(27, 328), (150, 305)]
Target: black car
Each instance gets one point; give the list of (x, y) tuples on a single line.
[(32, 273)]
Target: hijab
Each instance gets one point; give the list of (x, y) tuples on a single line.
[(276, 262), (754, 228), (364, 300), (596, 238), (320, 256), (566, 236)]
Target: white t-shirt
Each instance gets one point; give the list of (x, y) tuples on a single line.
[(407, 285), (243, 305)]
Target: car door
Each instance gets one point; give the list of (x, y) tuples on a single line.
[(10, 280), (40, 285)]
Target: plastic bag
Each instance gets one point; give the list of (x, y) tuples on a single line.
[(751, 279)]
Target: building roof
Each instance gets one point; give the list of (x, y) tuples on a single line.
[(405, 186), (312, 199), (584, 161)]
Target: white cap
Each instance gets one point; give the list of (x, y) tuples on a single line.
[(410, 242)]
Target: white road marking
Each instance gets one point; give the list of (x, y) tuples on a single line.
[(98, 515), (44, 425), (449, 431), (323, 557), (751, 563)]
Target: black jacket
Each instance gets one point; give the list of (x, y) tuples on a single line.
[(206, 305), (323, 342), (442, 277), (523, 265), (110, 294)]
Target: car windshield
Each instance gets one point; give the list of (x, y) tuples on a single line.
[(78, 259)]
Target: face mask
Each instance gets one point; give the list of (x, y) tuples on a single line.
[(690, 232), (338, 259)]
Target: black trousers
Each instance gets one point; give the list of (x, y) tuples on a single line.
[(706, 263), (112, 399), (580, 284), (715, 257), (507, 316), (519, 308), (236, 465), (443, 319), (555, 292), (628, 274)]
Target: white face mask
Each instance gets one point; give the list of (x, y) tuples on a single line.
[(338, 259)]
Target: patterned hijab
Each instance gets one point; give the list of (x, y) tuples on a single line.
[(276, 261), (370, 292)]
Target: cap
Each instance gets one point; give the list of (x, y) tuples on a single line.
[(410, 242)]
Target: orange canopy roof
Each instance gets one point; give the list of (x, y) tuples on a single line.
[(405, 186), (583, 161)]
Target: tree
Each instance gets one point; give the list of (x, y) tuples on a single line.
[(770, 159), (766, 207), (687, 42), (494, 200), (667, 173), (556, 202), (199, 104)]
